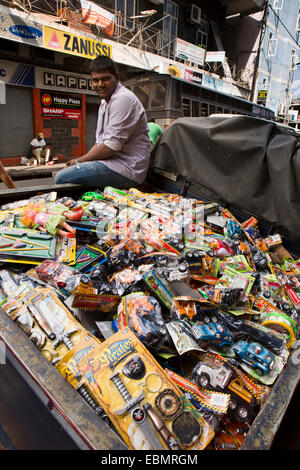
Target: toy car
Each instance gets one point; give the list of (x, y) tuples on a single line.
[(242, 404), (214, 333), (89, 196), (256, 356)]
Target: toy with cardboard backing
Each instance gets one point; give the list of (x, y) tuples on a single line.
[(144, 405), (26, 244), (81, 379), (46, 320)]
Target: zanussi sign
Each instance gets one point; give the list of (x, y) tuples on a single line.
[(69, 43)]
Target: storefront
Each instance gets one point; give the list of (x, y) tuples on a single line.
[(60, 104)]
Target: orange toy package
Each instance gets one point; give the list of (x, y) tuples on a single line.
[(146, 407)]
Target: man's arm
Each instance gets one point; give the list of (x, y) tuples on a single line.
[(97, 152)]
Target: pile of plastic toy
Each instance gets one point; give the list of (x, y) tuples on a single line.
[(170, 317)]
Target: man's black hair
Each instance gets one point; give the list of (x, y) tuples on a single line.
[(103, 63)]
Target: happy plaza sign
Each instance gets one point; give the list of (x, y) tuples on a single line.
[(74, 44)]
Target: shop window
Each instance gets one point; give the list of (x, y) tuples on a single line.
[(170, 23), (186, 107), (142, 91), (212, 109), (178, 95), (204, 109), (159, 92), (202, 34), (293, 62), (298, 22), (195, 108), (127, 7), (278, 4), (272, 45)]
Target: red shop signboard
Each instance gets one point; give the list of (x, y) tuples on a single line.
[(54, 105)]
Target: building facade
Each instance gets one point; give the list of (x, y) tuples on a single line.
[(46, 49), (265, 50)]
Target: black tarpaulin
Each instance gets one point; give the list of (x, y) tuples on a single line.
[(250, 163)]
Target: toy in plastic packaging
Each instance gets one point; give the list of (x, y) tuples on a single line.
[(125, 279), (259, 361), (213, 401), (47, 322), (143, 403), (142, 314), (49, 219), (183, 336), (7, 283), (214, 374), (57, 275), (159, 285), (88, 257)]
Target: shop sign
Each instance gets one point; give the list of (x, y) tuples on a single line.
[(187, 51), (60, 106), (21, 30), (181, 72), (213, 82), (262, 97), (70, 43), (215, 56), (51, 79)]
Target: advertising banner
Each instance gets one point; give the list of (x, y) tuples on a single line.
[(262, 97), (215, 56), (54, 105), (181, 72), (70, 43), (14, 73), (187, 51), (94, 14), (21, 30)]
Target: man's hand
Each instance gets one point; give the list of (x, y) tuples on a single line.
[(71, 162)]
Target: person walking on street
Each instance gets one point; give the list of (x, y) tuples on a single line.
[(121, 154)]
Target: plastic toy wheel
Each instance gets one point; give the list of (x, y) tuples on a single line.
[(242, 413), (232, 404), (258, 371), (203, 380)]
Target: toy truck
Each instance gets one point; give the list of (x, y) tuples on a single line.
[(214, 333), (255, 355), (242, 404)]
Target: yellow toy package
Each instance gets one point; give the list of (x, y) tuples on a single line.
[(79, 372), (146, 407)]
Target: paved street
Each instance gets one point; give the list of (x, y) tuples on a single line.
[(24, 176)]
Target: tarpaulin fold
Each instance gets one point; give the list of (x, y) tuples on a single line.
[(250, 163)]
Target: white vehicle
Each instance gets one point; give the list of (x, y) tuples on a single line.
[(216, 377)]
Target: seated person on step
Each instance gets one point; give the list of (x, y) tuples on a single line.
[(39, 150)]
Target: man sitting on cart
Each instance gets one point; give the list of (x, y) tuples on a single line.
[(121, 154)]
